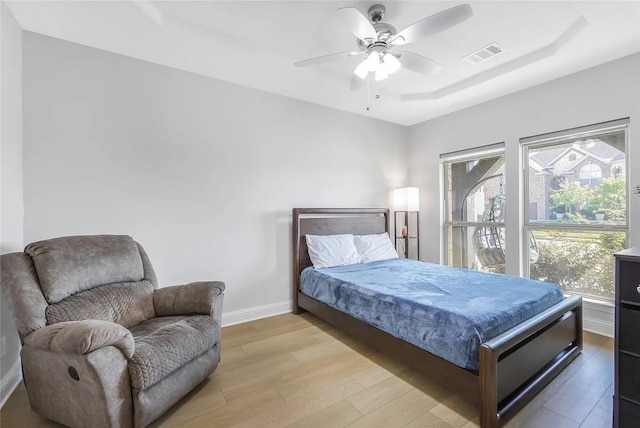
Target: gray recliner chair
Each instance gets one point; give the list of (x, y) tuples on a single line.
[(102, 346)]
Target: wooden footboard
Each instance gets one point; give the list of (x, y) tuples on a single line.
[(517, 364)]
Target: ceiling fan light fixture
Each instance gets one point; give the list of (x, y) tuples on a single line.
[(362, 69), (373, 61), (381, 74), (391, 63), (375, 38)]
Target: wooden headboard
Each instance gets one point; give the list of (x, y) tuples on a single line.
[(330, 221)]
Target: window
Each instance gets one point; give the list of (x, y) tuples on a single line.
[(590, 175), (578, 219), (475, 208)]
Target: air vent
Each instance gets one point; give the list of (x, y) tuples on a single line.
[(484, 53)]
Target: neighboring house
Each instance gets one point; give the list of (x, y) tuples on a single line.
[(586, 162)]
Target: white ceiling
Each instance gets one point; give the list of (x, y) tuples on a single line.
[(256, 43)]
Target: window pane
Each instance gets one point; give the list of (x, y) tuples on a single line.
[(478, 248), (579, 181), (580, 262), (475, 193), (470, 187)]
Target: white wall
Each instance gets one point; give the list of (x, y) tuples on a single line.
[(11, 204), (203, 173), (609, 91)]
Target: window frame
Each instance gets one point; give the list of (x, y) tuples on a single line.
[(552, 139), (473, 154)]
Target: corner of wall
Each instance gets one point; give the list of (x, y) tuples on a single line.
[(12, 201)]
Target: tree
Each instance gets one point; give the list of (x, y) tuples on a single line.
[(571, 196), (607, 198)]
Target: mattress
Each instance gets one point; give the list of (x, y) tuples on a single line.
[(446, 311)]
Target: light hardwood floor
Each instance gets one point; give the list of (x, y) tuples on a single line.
[(298, 371)]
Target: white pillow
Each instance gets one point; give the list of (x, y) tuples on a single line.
[(375, 247), (332, 250)]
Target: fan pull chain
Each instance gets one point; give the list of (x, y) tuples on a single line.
[(368, 92), (377, 96)]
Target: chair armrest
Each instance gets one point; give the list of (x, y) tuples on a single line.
[(192, 298), (82, 337)]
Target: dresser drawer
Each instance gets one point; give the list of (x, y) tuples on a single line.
[(628, 414), (629, 333), (629, 281), (629, 377)]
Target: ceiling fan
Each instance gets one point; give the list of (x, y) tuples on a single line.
[(378, 41)]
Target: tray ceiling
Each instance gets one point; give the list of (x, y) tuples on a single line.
[(255, 43)]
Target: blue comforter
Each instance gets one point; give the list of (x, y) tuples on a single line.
[(446, 311)]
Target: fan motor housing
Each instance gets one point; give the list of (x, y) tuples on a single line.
[(384, 32)]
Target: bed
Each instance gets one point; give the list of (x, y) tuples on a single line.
[(508, 369)]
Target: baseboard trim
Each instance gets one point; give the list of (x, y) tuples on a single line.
[(599, 327), (10, 382), (256, 313), (599, 317)]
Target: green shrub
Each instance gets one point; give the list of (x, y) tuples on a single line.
[(579, 262)]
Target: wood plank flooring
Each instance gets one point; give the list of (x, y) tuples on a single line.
[(298, 371)]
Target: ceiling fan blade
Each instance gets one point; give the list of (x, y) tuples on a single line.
[(433, 24), (357, 83), (357, 23), (150, 10), (326, 58), (418, 63)]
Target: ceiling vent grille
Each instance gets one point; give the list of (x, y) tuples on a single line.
[(484, 53)]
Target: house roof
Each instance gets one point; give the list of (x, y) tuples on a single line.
[(593, 148)]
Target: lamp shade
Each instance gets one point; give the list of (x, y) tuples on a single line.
[(373, 60), (407, 199), (362, 70), (381, 74), (391, 63)]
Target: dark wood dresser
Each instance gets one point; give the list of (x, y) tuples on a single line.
[(626, 401)]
